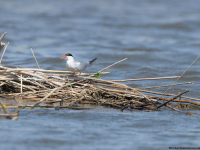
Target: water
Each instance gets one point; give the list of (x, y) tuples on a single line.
[(159, 38)]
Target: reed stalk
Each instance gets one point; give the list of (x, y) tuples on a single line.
[(110, 66), (3, 52), (181, 75), (173, 98), (156, 78), (3, 107), (35, 59)]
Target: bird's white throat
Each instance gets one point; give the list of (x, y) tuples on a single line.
[(70, 65)]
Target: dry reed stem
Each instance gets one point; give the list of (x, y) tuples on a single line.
[(3, 52), (168, 106), (181, 75), (53, 71), (108, 81), (112, 65), (4, 108), (69, 83), (45, 106), (167, 94), (35, 59), (156, 78), (176, 100), (8, 115), (21, 83), (1, 39), (173, 98), (17, 115), (192, 82)]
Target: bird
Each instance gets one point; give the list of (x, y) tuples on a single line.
[(76, 66)]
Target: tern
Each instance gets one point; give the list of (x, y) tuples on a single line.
[(76, 66)]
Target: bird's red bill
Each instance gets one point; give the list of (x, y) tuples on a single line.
[(63, 57)]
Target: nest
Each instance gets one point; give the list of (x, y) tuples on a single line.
[(50, 88)]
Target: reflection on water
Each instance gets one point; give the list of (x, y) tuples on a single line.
[(159, 38)]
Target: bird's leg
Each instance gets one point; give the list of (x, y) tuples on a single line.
[(72, 75), (79, 74)]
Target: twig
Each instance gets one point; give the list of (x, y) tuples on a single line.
[(156, 78), (45, 106), (176, 100), (8, 115), (3, 52), (35, 58), (173, 98), (168, 106), (45, 71), (181, 75), (112, 65), (192, 82), (21, 83), (167, 94), (69, 83), (4, 108)]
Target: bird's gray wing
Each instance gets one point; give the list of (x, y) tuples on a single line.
[(80, 66)]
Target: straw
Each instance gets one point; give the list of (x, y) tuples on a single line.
[(35, 59), (3, 52)]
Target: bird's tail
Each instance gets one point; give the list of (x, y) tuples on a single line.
[(92, 62)]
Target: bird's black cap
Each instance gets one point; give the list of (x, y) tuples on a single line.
[(68, 54)]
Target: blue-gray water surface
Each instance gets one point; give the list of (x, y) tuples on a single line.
[(159, 38)]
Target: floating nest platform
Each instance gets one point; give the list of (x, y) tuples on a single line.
[(50, 88)]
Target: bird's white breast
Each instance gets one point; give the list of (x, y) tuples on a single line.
[(70, 66)]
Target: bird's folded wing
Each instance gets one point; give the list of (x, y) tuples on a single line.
[(80, 66)]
